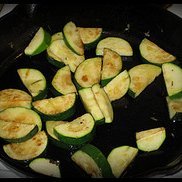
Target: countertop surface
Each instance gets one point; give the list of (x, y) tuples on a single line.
[(6, 171)]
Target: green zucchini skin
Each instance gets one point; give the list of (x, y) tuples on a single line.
[(29, 149), (61, 115), (78, 131), (56, 117), (150, 53), (23, 138), (55, 140), (99, 158)]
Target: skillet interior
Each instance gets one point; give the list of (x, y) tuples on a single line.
[(130, 115)]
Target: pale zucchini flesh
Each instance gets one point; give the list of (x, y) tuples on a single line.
[(64, 53), (174, 106), (62, 81), (14, 97), (154, 54), (117, 44), (16, 132), (77, 131), (141, 76), (120, 158), (72, 38), (88, 72), (21, 115), (91, 105), (103, 102), (46, 166), (118, 86), (112, 65), (90, 35), (56, 108), (172, 74), (151, 139), (28, 149), (34, 81)]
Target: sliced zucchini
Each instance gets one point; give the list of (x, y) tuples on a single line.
[(16, 132), (28, 149), (54, 60), (34, 81), (172, 74), (88, 72), (141, 76), (118, 86), (151, 139), (57, 36), (103, 102), (14, 97), (68, 57), (46, 166), (112, 65), (117, 44), (90, 36), (120, 158), (152, 53), (57, 108), (21, 115), (62, 82), (174, 106), (72, 38), (78, 131), (39, 42), (92, 161), (50, 125), (91, 105)]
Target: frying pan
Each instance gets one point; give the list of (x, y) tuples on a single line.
[(149, 110)]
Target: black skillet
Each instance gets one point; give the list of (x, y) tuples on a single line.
[(149, 110)]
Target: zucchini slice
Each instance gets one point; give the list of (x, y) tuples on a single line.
[(151, 139), (120, 158), (28, 149), (72, 38), (17, 132), (90, 36), (21, 115), (78, 131), (118, 86), (92, 161), (57, 36), (34, 81), (65, 54), (112, 65), (141, 76), (91, 105), (152, 53), (50, 125), (88, 72), (174, 106), (54, 59), (62, 82), (103, 102), (57, 108), (14, 97), (117, 44), (39, 42), (172, 74), (46, 166)]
